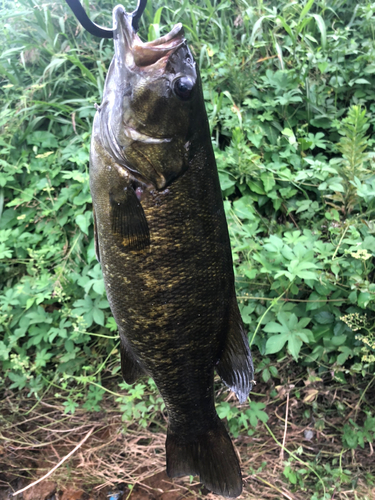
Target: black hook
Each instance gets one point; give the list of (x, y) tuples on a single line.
[(96, 30), (141, 5)]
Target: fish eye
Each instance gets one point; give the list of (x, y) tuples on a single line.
[(183, 87)]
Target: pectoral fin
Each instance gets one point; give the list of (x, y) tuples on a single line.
[(128, 220), (235, 366)]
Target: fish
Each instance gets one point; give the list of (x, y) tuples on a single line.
[(162, 240)]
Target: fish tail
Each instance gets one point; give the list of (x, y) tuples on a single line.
[(210, 455)]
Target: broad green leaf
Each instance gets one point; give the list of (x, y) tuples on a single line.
[(256, 412), (294, 346), (324, 318), (256, 186), (83, 222), (273, 327), (364, 299), (268, 181), (98, 316), (276, 343)]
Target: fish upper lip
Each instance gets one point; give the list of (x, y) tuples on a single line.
[(133, 134)]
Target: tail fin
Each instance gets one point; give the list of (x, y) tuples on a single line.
[(211, 456)]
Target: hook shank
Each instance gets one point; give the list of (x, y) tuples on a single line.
[(86, 22), (97, 30)]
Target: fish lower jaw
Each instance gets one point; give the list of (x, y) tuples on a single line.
[(136, 136)]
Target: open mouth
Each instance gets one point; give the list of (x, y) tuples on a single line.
[(129, 46)]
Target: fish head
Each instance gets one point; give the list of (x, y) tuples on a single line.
[(150, 98)]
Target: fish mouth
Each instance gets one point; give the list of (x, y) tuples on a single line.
[(130, 49)]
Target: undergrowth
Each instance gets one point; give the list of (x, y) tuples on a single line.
[(289, 90)]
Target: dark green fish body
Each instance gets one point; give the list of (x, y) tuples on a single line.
[(162, 240)]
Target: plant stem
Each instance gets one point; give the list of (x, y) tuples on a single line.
[(338, 246), (296, 458), (274, 302)]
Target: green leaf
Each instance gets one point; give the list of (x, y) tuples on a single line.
[(256, 412), (294, 346), (98, 316), (364, 299), (274, 327), (324, 318), (307, 275), (322, 28), (243, 208), (85, 71), (303, 322), (83, 222), (316, 301), (276, 343), (362, 81), (257, 26), (306, 9), (4, 351), (19, 380), (256, 186), (226, 182), (346, 352), (70, 406)]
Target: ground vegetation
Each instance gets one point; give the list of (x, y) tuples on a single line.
[(290, 93)]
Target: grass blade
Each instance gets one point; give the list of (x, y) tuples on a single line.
[(322, 28), (257, 27), (306, 10)]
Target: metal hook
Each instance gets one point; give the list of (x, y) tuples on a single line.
[(141, 5), (97, 30)]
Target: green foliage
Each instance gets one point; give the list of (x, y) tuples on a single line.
[(135, 407), (333, 478), (352, 167), (296, 169), (241, 420), (355, 435), (51, 290), (289, 90), (289, 330)]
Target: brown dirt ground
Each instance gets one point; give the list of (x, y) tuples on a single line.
[(36, 436)]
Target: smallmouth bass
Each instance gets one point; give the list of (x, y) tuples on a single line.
[(162, 241)]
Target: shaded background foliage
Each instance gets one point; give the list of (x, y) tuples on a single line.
[(290, 94)]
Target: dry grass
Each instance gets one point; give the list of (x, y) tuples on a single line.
[(33, 439)]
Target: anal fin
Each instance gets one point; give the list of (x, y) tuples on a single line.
[(235, 366)]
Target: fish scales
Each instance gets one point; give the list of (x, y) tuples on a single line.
[(162, 240), (185, 296)]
